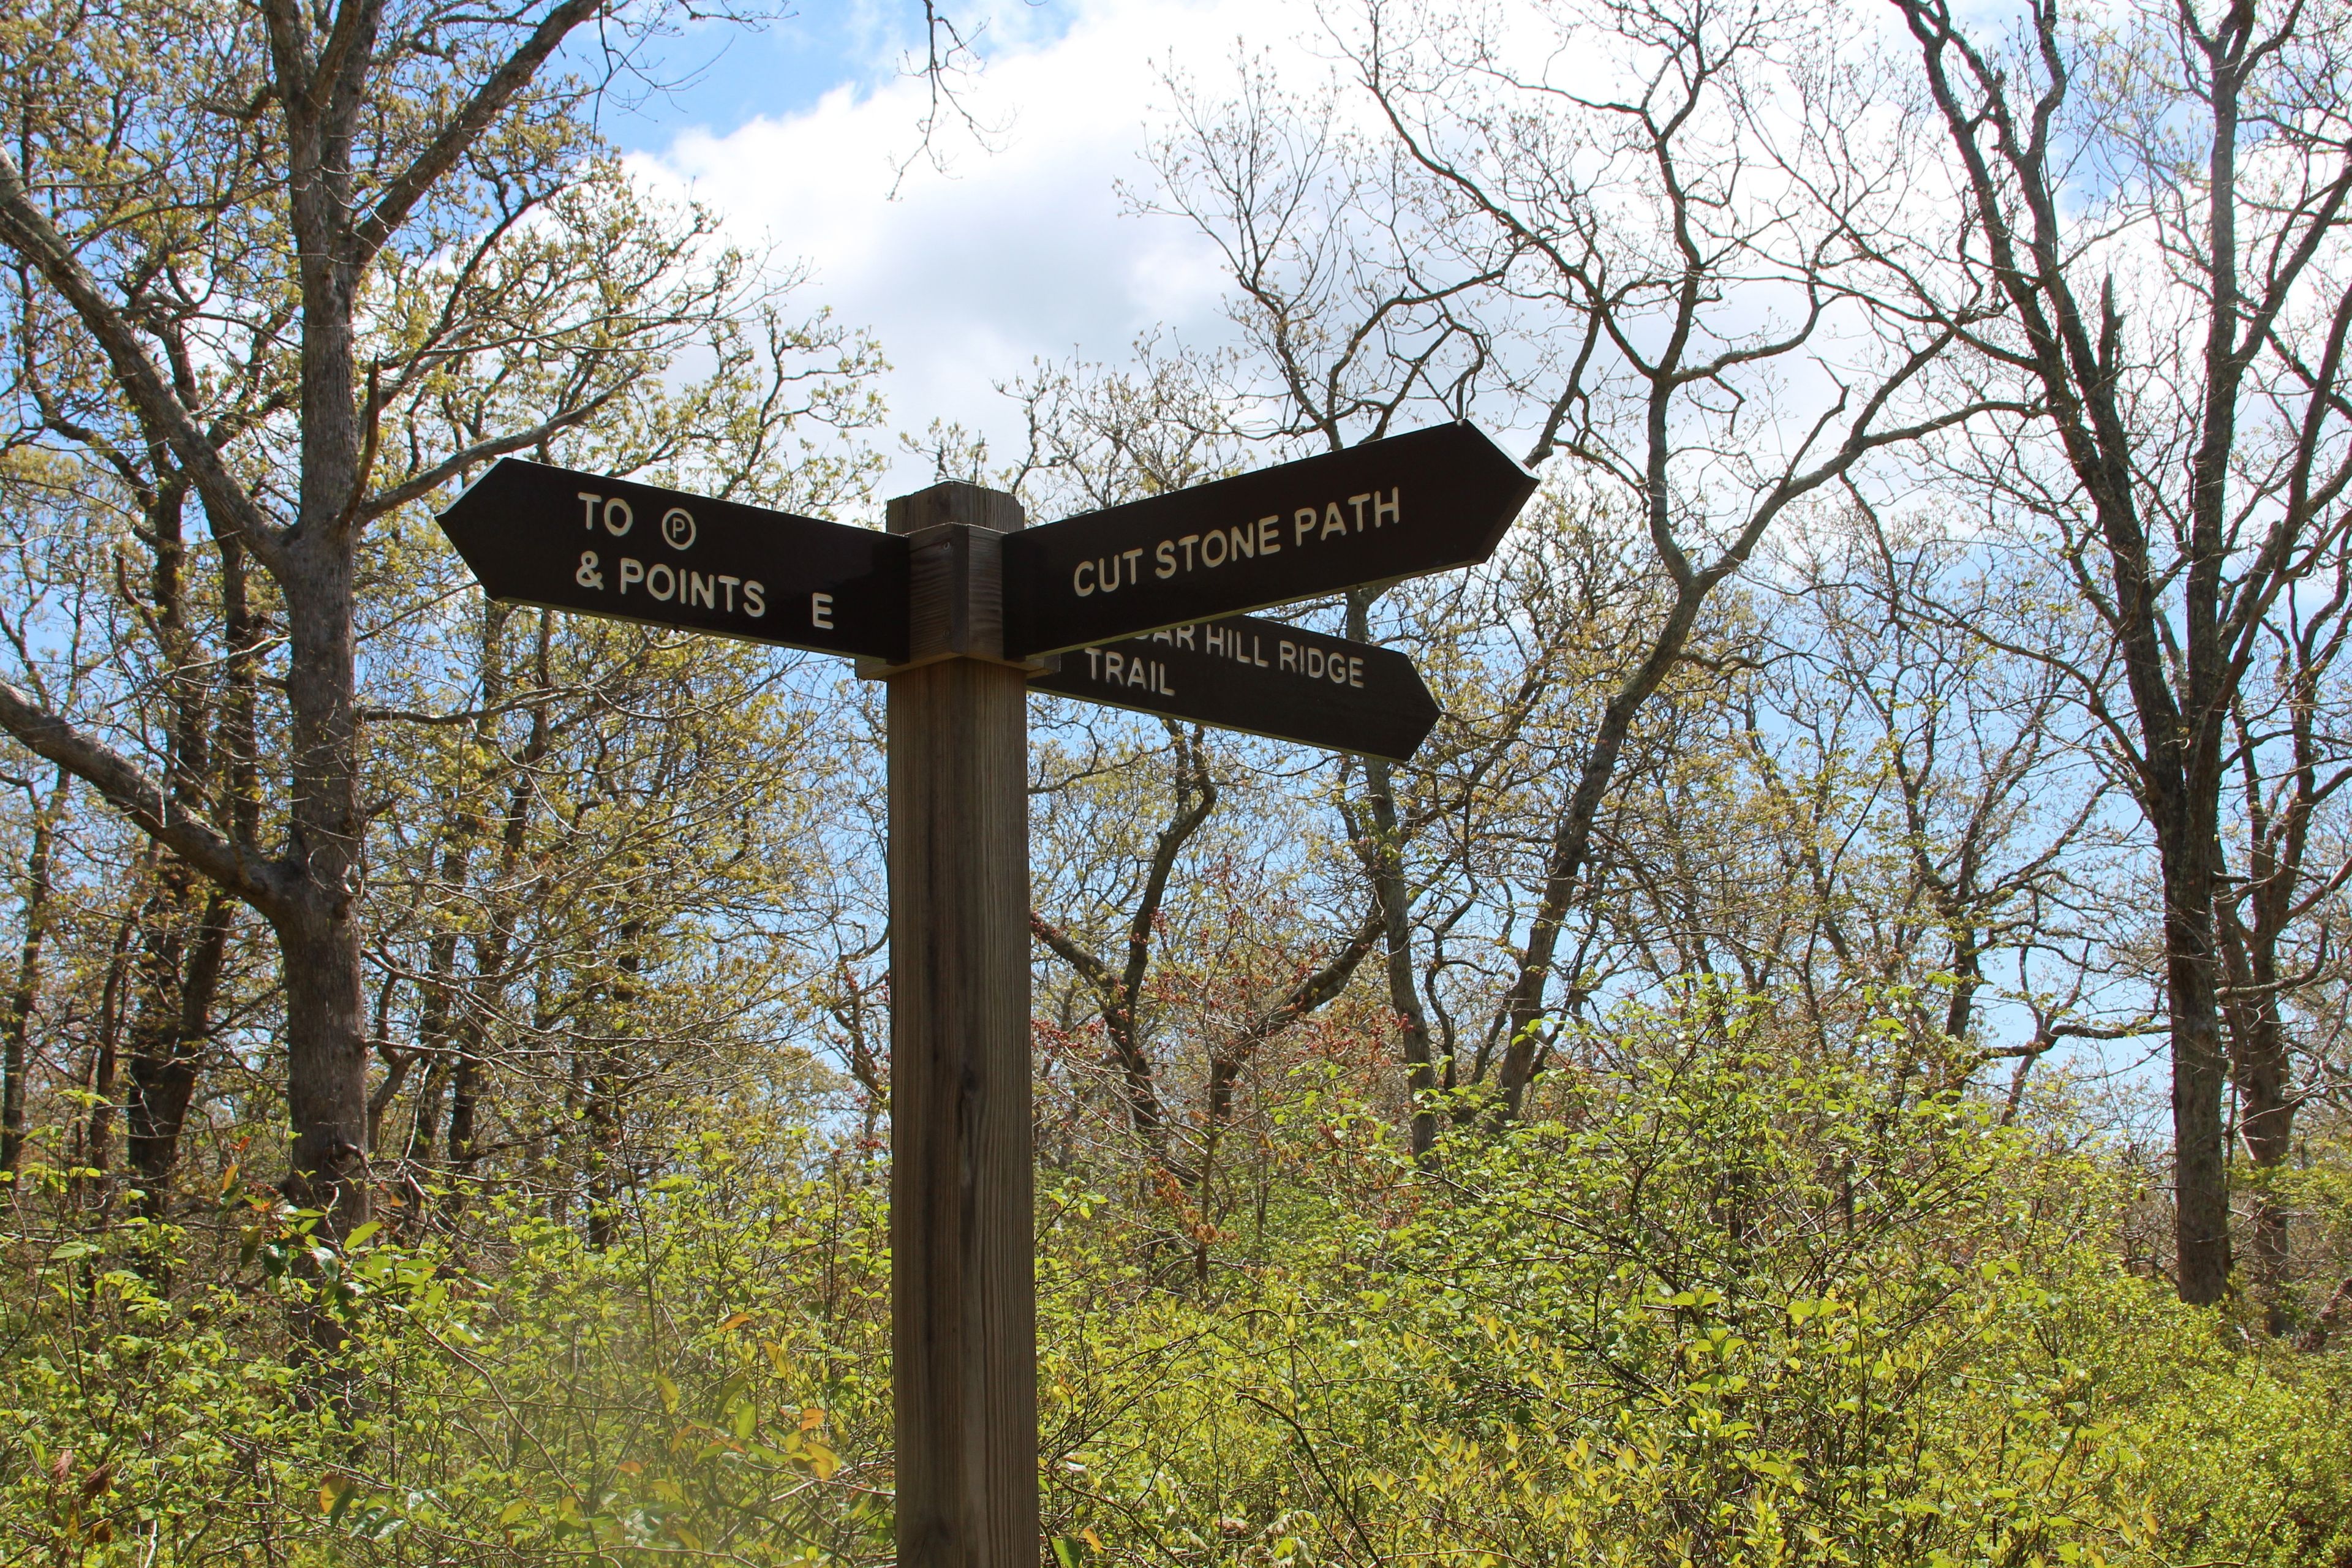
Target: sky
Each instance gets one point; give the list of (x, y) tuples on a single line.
[(1022, 248)]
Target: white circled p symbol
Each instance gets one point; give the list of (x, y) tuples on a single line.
[(677, 528)]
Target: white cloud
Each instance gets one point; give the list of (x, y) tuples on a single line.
[(1020, 252)]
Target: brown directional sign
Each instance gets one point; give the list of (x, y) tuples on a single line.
[(1436, 499), (1268, 678), (569, 540)]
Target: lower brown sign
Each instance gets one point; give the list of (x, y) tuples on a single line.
[(1261, 677)]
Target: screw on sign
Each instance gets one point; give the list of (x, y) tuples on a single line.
[(950, 607)]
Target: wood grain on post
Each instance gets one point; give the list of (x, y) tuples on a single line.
[(963, 1332)]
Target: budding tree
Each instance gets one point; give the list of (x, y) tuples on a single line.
[(297, 268)]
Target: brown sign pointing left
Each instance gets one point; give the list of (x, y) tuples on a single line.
[(571, 541)]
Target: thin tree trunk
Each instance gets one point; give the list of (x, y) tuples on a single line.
[(1571, 839), (1395, 898), (2259, 1061), (601, 1105), (2267, 1107), (15, 1027), (1385, 856), (1118, 993), (493, 946), (97, 1145), (464, 1098), (463, 823), (436, 1040), (168, 1033), (162, 1054)]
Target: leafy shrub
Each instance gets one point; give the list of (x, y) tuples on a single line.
[(1730, 1305)]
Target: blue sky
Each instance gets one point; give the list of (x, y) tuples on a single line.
[(1022, 249), (719, 76)]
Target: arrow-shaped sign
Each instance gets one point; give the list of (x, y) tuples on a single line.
[(569, 540), (1437, 498), (1262, 677)]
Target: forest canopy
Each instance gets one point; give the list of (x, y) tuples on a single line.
[(1835, 1050)]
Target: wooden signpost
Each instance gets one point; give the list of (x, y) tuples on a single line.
[(960, 607)]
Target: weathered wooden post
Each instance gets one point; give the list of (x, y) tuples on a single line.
[(964, 1336)]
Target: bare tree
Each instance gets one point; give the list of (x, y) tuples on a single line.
[(2161, 201), (1710, 345)]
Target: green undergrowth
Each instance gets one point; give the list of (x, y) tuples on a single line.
[(1719, 1309)]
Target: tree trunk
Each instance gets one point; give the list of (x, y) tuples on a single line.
[(1395, 898), (1385, 857), (96, 1151), (2259, 1062), (435, 1039), (601, 1107), (464, 1098), (2200, 1170), (15, 1027), (1571, 841), (317, 928), (2180, 791), (182, 979), (326, 1071), (2267, 1107), (462, 823), (493, 946)]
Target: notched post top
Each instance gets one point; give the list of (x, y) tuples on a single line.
[(956, 604)]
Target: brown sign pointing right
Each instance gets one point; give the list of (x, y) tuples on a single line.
[(1436, 499), (1261, 676)]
